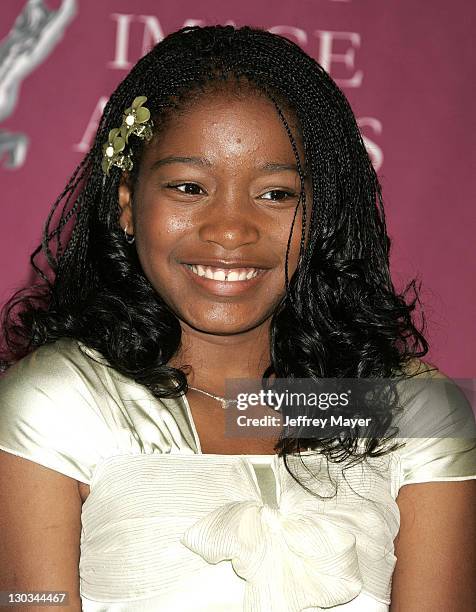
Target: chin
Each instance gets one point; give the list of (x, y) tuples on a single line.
[(223, 328)]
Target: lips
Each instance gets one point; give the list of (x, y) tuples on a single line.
[(224, 274), (226, 264), (224, 281)]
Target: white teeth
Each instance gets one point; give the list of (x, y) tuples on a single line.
[(222, 275)]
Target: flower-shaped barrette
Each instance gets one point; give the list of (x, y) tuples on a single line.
[(136, 120), (112, 150)]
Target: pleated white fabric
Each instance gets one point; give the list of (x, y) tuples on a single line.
[(152, 523), (167, 528)]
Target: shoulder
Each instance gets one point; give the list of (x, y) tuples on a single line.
[(53, 409), (433, 404), (437, 426), (56, 367)]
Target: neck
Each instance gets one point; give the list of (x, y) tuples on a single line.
[(214, 358)]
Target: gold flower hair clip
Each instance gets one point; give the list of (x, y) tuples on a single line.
[(135, 120)]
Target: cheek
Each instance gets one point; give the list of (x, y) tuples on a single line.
[(158, 229), (153, 219), (153, 243)]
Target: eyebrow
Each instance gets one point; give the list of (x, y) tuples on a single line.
[(173, 159), (275, 167), (203, 162)]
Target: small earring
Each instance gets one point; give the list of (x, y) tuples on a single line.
[(128, 237)]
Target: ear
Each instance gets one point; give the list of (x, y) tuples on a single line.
[(125, 204)]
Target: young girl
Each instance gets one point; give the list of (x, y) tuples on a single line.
[(227, 223)]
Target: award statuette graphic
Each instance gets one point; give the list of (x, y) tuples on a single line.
[(35, 33)]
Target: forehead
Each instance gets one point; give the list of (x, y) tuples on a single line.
[(225, 125)]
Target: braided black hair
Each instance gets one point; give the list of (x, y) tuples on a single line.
[(341, 315)]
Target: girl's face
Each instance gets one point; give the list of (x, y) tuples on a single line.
[(212, 210)]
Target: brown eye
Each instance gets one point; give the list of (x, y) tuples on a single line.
[(188, 188), (278, 195)]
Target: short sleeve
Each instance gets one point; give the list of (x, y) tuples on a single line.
[(439, 433), (50, 410)]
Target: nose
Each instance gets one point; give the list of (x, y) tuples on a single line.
[(230, 225)]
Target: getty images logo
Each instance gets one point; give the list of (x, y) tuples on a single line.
[(35, 33)]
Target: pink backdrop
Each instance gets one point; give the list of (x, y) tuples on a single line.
[(407, 68)]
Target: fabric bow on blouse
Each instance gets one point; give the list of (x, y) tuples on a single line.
[(299, 552), (302, 560), (294, 557)]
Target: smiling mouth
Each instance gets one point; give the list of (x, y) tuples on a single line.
[(231, 275)]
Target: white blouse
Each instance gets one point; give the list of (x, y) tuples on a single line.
[(168, 528)]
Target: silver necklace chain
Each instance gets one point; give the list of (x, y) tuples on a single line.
[(223, 400)]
